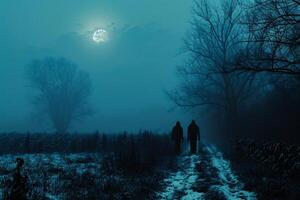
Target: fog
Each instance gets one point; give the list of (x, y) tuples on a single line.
[(149, 99), (161, 62), (130, 71)]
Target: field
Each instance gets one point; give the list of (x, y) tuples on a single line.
[(143, 166), (117, 167)]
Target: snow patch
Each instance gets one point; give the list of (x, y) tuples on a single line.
[(180, 183), (231, 187)]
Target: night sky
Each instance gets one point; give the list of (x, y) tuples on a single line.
[(130, 71)]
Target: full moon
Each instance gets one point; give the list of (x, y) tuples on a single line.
[(100, 35)]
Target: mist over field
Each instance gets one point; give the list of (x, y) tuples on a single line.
[(139, 99), (130, 72)]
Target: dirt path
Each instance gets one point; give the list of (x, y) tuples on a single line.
[(204, 176)]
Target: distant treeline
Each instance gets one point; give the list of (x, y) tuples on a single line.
[(116, 166), (20, 143)]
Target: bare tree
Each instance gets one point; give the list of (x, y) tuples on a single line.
[(274, 37), (212, 44), (62, 91)]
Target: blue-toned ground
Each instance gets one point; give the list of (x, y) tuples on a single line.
[(204, 176), (49, 174)]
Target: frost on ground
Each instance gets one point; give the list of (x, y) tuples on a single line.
[(179, 184), (80, 176), (230, 186), (49, 173), (204, 176)]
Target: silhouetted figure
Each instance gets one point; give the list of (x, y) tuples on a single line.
[(177, 136), (18, 186), (193, 136)]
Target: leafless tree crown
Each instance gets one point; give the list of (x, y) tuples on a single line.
[(62, 91)]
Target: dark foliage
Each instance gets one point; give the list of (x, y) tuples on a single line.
[(19, 143), (132, 153), (122, 166), (275, 113), (271, 169), (16, 188)]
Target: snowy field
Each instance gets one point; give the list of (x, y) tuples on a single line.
[(206, 175), (50, 173), (124, 166)]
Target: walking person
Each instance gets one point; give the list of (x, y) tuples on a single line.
[(193, 136), (177, 137)]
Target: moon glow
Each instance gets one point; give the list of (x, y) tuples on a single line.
[(100, 35)]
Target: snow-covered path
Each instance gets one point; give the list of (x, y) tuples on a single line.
[(204, 176), (180, 183), (229, 185)]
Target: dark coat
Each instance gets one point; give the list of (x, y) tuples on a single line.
[(177, 133), (193, 132)]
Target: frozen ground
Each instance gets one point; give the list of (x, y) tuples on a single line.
[(204, 176), (179, 184), (79, 177), (230, 186), (49, 172)]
